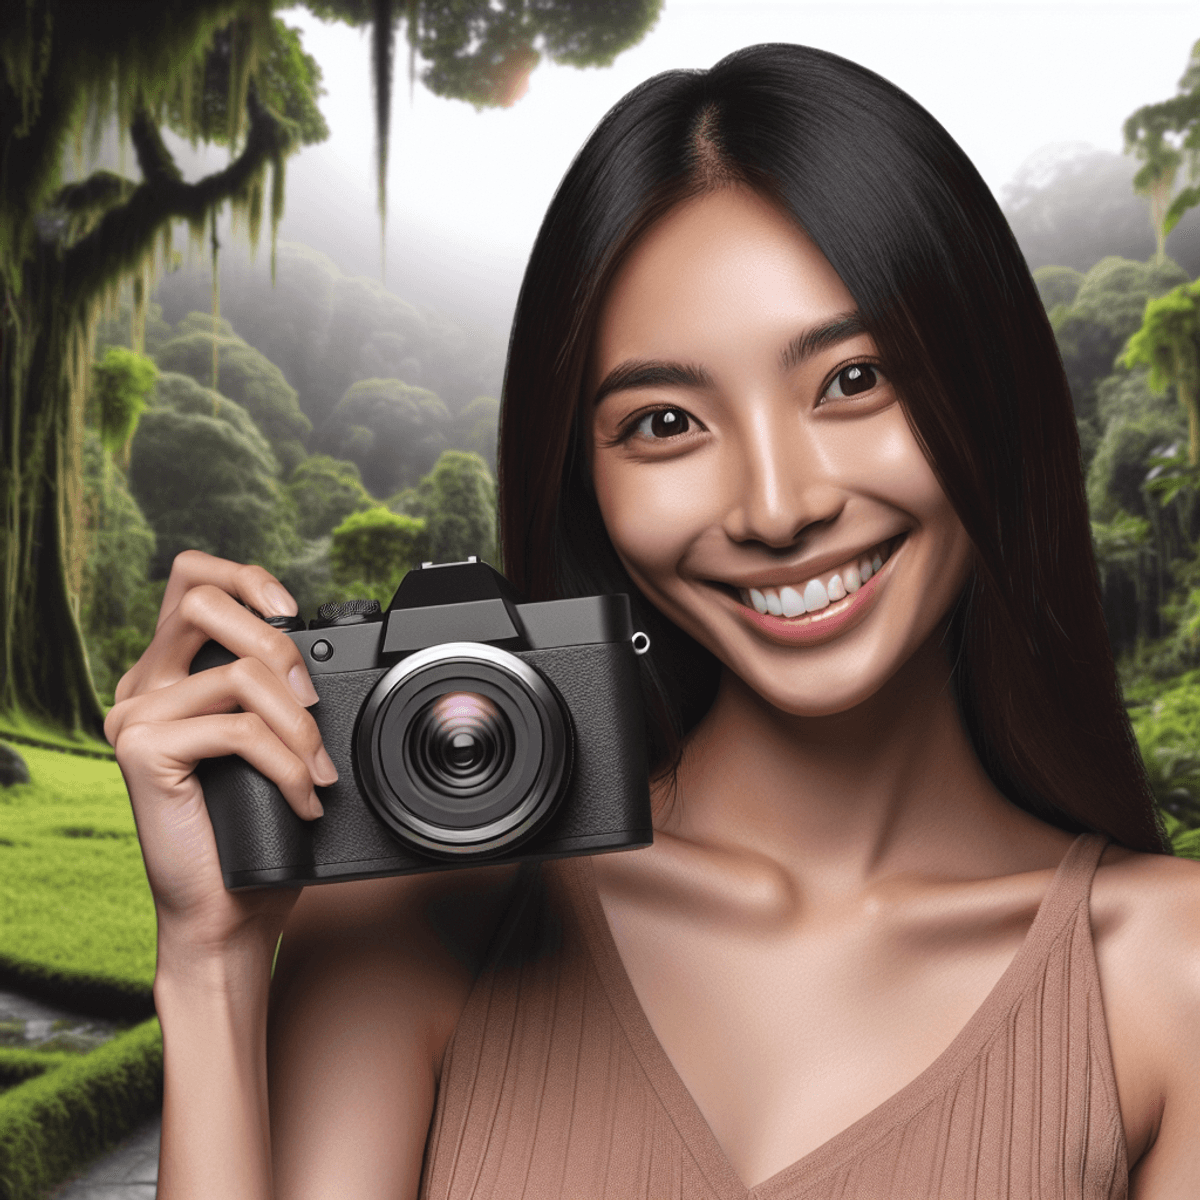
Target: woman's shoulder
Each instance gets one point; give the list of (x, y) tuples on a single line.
[(427, 934), (1145, 915), (1145, 911)]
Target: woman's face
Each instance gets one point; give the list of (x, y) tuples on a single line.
[(755, 471)]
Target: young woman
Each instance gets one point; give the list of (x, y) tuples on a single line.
[(779, 372)]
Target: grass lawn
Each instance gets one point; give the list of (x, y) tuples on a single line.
[(73, 892), (19, 724)]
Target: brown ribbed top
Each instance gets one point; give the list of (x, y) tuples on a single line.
[(556, 1088)]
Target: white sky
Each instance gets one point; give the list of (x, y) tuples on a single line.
[(467, 189)]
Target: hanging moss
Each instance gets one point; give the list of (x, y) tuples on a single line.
[(69, 67)]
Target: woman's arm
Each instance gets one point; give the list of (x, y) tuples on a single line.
[(214, 946), (369, 984), (215, 1135), (1164, 970)]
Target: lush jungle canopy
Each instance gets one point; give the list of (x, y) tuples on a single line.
[(224, 71)]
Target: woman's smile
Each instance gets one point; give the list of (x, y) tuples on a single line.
[(754, 467)]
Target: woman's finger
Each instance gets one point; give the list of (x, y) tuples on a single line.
[(246, 683), (207, 611), (158, 758), (251, 585)]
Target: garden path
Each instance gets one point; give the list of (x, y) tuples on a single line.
[(127, 1172), (130, 1170)]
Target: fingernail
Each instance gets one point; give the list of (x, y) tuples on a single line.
[(315, 807), (302, 686), (324, 772), (279, 603)]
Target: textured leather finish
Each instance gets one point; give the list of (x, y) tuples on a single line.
[(607, 796)]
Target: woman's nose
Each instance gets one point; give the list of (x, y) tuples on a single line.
[(781, 482)]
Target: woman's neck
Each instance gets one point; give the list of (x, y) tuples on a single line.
[(891, 785)]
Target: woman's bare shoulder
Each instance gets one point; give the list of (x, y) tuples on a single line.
[(371, 979), (1146, 929), (436, 925)]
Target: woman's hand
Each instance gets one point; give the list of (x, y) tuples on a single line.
[(166, 720)]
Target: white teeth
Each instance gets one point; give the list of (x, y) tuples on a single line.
[(794, 601), (815, 596), (793, 605)]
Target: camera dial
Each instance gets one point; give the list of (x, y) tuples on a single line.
[(463, 749)]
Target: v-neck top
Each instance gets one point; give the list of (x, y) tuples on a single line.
[(555, 1087)]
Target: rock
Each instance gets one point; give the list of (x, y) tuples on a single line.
[(12, 767)]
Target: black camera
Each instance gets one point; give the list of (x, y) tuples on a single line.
[(466, 726)]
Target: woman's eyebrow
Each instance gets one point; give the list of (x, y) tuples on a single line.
[(820, 337), (636, 373)]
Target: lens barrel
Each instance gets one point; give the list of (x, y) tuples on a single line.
[(463, 749)]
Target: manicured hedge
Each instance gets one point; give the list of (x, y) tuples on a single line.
[(17, 1065), (76, 931), (55, 1122)]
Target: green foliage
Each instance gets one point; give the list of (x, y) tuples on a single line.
[(244, 375), (1118, 471), (55, 1123), (1057, 285), (1168, 341), (325, 491), (206, 479), (1168, 734), (1121, 542), (308, 576), (483, 52), (393, 431), (122, 380), (462, 508), (1165, 136), (1107, 309), (479, 427), (116, 327), (288, 80), (117, 605), (376, 548)]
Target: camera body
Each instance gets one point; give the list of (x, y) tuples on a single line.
[(466, 727)]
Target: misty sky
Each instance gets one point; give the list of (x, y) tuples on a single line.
[(467, 189)]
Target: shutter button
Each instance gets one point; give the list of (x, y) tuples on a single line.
[(322, 651)]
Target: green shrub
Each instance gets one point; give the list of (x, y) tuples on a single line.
[(58, 1120), (377, 547)]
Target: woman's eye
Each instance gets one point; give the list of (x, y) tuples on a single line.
[(849, 381), (662, 423)]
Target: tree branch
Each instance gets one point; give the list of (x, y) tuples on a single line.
[(126, 233), (99, 190), (158, 167)]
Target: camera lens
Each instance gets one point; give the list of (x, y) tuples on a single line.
[(459, 744), (463, 749)]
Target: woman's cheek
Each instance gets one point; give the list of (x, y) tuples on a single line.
[(653, 513)]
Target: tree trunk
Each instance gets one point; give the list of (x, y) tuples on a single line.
[(43, 662), (45, 356)]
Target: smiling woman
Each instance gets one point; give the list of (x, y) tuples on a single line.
[(906, 929)]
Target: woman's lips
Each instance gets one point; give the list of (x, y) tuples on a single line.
[(827, 623)]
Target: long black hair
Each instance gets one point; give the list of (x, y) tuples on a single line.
[(908, 224)]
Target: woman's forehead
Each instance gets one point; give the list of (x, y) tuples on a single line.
[(726, 264)]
